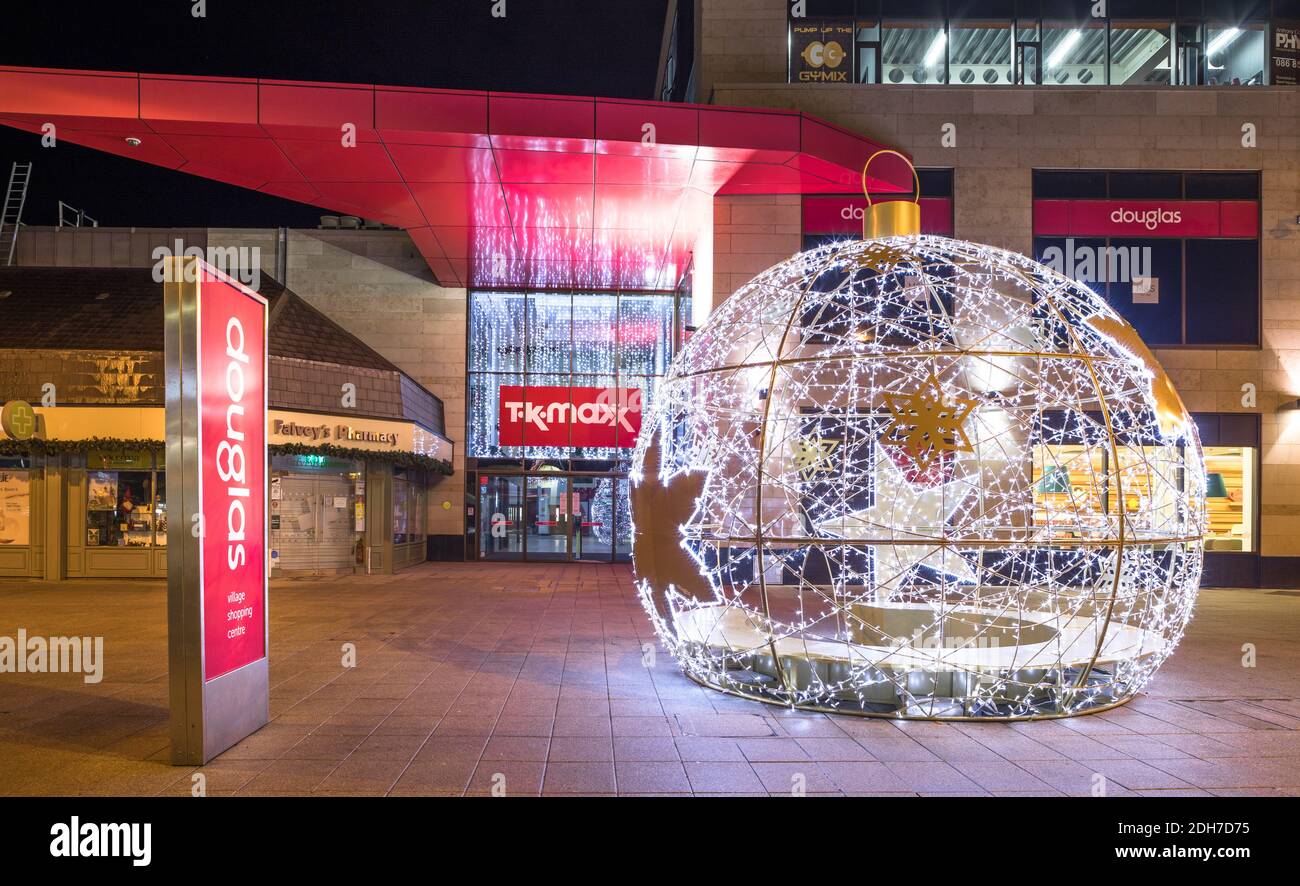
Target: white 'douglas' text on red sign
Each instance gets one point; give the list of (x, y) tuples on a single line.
[(560, 416), (232, 491)]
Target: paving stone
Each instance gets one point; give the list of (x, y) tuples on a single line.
[(533, 673)]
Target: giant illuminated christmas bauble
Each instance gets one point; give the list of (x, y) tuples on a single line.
[(919, 477)]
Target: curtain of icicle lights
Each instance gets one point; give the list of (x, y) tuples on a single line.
[(919, 477)]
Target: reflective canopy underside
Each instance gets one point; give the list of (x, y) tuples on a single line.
[(496, 189)]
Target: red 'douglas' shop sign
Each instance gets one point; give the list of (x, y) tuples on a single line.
[(560, 416), (1146, 218), (232, 487), (843, 215)]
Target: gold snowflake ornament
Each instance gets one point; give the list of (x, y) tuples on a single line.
[(926, 426), (812, 456)]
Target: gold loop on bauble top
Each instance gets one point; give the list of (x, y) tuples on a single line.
[(895, 218)]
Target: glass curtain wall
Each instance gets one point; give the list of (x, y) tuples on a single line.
[(981, 52), (916, 45), (1235, 56), (1074, 54), (1141, 53), (566, 349), (914, 52)]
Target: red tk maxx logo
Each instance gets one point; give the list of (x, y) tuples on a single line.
[(560, 416)]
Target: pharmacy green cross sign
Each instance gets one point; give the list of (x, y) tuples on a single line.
[(18, 420)]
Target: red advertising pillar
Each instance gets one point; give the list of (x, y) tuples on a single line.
[(216, 366)]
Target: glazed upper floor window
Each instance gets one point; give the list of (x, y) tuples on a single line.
[(578, 332), (1176, 253), (1043, 42), (565, 348)]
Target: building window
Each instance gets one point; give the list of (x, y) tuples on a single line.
[(679, 80), (1222, 293), (595, 321), (408, 506), (1029, 52), (578, 346), (1231, 444), (1074, 54), (1230, 497), (973, 47), (914, 52), (1175, 253), (1076, 491), (867, 50), (982, 52), (1235, 56), (496, 338), (549, 332), (125, 507), (15, 507), (1079, 490), (1140, 53), (1067, 497)]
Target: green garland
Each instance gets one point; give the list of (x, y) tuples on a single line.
[(15, 448), (397, 459), (57, 447)]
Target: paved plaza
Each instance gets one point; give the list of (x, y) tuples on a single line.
[(530, 678)]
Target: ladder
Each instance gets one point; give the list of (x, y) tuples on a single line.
[(12, 214)]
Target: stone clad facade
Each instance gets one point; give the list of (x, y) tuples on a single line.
[(373, 283), (376, 285), (1004, 133)]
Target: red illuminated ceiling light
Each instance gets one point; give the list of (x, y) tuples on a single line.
[(496, 189)]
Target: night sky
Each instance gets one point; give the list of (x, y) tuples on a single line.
[(577, 47)]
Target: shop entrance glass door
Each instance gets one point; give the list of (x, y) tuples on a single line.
[(312, 524), (553, 517), (501, 518), (593, 518), (547, 518)]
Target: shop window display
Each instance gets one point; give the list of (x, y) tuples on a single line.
[(126, 504), (15, 507), (1086, 484), (120, 509), (401, 509), (408, 507), (1195, 284), (1230, 497)]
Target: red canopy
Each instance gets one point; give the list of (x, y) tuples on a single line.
[(496, 189)]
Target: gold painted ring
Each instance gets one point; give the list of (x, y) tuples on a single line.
[(866, 192)]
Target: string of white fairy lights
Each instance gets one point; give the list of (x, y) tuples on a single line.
[(920, 477)]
